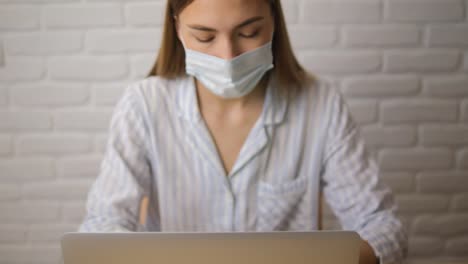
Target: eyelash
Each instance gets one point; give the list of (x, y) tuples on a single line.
[(253, 35), (204, 40)]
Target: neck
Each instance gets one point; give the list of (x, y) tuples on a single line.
[(212, 103)]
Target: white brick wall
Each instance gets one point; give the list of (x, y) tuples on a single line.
[(424, 10), (401, 64), (22, 69), (19, 17), (88, 15), (47, 43), (49, 95), (88, 68), (145, 14), (2, 59)]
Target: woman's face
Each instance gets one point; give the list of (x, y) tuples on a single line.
[(225, 28)]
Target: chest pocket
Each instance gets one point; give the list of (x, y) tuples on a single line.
[(279, 205)]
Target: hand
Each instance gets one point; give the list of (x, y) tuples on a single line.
[(367, 254)]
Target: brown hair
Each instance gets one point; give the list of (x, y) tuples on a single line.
[(171, 60)]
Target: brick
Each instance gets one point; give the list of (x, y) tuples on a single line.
[(19, 18), (443, 182), (108, 94), (106, 41), (54, 145), (82, 120), (35, 1), (9, 192), (29, 212), (101, 143), (2, 55), (460, 202), (401, 136), (457, 246), (56, 190), (342, 62), (363, 112), (465, 64), (79, 16), (3, 96), (47, 43), (12, 234), (410, 111), (47, 233), (26, 169), (446, 225), (31, 254), (291, 11), (25, 121), (455, 86), (421, 61), (462, 160), (79, 167), (415, 159), (465, 111), (23, 69), (448, 35), (424, 10), (141, 65), (381, 36), (425, 246), (73, 212), (50, 94), (399, 182), (357, 11), (145, 14), (306, 37), (380, 87), (416, 204), (88, 68), (6, 145), (436, 135)]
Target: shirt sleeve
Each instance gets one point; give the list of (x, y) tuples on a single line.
[(354, 191), (113, 203)]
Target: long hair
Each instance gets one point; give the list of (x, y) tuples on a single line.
[(170, 63)]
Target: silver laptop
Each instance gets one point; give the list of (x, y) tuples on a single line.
[(326, 247)]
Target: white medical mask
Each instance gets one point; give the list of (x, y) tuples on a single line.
[(230, 78)]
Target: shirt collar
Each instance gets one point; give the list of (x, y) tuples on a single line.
[(274, 107)]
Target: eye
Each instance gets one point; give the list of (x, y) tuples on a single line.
[(251, 35), (204, 40)]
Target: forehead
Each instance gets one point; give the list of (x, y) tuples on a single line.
[(223, 13)]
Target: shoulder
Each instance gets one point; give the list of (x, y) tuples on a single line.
[(325, 106), (144, 100), (319, 95), (321, 89), (154, 85), (154, 91)]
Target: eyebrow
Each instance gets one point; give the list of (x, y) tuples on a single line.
[(243, 24)]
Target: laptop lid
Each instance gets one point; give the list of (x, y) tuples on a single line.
[(326, 247)]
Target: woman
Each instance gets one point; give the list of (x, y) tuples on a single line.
[(229, 133)]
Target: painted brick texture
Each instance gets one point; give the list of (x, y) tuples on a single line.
[(402, 66)]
